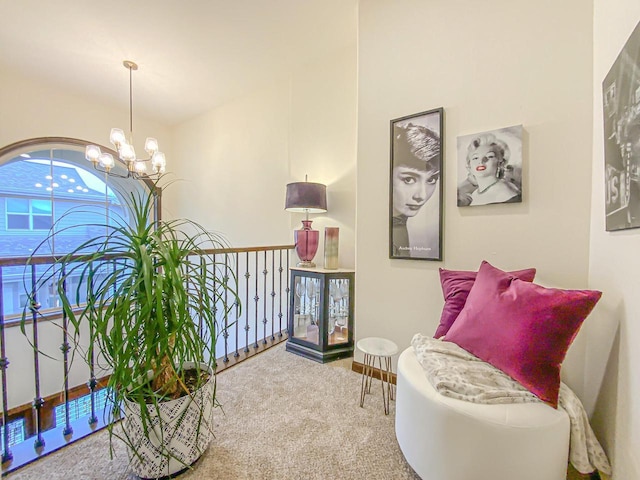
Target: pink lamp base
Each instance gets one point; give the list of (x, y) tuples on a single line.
[(306, 240)]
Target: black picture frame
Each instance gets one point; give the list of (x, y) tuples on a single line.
[(621, 109), (490, 167), (416, 186)]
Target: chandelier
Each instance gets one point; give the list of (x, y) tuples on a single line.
[(136, 167)]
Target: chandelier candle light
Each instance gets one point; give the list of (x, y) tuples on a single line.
[(306, 197), (136, 167)]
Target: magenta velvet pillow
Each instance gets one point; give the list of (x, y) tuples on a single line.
[(521, 328), (456, 285)]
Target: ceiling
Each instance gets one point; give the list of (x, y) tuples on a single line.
[(192, 54)]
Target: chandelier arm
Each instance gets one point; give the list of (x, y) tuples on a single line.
[(111, 173), (137, 159), (129, 174)]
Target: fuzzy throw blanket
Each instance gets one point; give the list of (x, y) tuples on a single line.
[(456, 373)]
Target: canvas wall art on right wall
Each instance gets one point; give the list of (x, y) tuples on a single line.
[(490, 167), (621, 103)]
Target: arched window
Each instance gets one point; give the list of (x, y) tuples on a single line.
[(52, 200)]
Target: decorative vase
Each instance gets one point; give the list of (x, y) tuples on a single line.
[(331, 248), (175, 442), (306, 244)]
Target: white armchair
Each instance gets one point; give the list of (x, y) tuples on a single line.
[(448, 439)]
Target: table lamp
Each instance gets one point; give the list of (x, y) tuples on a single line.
[(306, 197)]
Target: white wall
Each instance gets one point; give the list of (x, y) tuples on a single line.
[(231, 169), (614, 268), (30, 108), (490, 64), (234, 162), (323, 144)]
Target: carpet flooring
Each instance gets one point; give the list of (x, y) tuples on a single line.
[(282, 417)]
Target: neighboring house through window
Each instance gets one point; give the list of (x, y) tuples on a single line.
[(16, 433), (51, 201), (28, 214)]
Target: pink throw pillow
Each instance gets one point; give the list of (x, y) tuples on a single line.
[(456, 285), (522, 328)]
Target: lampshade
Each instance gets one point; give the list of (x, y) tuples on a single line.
[(306, 197)]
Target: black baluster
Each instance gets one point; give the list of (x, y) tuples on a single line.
[(93, 383), (225, 332), (65, 347), (273, 293), (256, 299), (246, 304), (280, 296), (203, 268), (214, 272), (237, 304), (4, 364), (288, 289), (114, 265), (264, 300), (38, 401)]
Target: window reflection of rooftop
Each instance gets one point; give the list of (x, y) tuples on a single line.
[(58, 187), (31, 177)]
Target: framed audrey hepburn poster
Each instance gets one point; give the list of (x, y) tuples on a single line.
[(415, 186)]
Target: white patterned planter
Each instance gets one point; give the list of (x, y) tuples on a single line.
[(179, 432)]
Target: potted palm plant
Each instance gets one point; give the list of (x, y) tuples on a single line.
[(151, 298)]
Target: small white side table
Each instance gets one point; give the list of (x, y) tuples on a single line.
[(380, 348)]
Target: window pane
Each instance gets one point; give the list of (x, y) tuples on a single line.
[(42, 222), (17, 222), (17, 205), (41, 206), (12, 290), (56, 186), (16, 433)]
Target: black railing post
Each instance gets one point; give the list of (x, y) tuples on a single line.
[(214, 273), (203, 269), (65, 347), (264, 300), (237, 304), (4, 364), (256, 299), (93, 383), (280, 296), (246, 304), (225, 332), (273, 293), (288, 279), (38, 401)]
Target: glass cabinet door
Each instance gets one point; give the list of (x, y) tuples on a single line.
[(320, 314), (306, 309), (338, 322)]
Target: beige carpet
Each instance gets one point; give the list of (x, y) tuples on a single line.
[(285, 417)]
